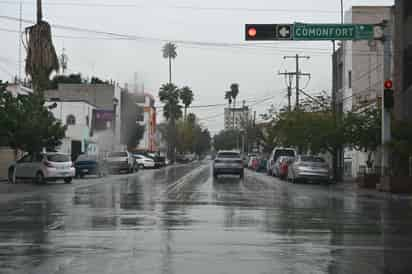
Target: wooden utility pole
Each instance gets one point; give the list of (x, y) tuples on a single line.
[(39, 11), (289, 76), (297, 75)]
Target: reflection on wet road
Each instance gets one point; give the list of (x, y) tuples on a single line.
[(181, 220)]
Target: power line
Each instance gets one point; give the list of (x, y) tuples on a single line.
[(183, 7)]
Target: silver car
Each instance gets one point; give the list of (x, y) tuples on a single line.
[(228, 162), (309, 168), (42, 167)]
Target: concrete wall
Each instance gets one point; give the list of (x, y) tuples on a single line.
[(7, 156)]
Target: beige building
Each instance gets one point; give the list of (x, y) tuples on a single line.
[(361, 74)]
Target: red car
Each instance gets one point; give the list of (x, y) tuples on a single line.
[(283, 168)]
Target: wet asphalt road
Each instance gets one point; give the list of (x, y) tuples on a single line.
[(181, 220)]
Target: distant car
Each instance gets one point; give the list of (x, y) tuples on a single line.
[(228, 162), (253, 163), (89, 165), (42, 167), (121, 161), (144, 162), (309, 168), (276, 153), (279, 161)]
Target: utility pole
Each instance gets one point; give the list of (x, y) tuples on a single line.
[(298, 74), (386, 113), (20, 40)]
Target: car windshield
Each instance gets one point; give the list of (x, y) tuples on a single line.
[(312, 159), (86, 158), (117, 154), (228, 155), (58, 158), (284, 152)]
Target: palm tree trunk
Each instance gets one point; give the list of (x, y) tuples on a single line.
[(234, 107), (185, 113), (170, 70), (39, 11)]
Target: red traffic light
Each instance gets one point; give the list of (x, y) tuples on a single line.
[(388, 84), (251, 32)]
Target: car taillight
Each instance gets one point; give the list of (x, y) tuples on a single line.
[(48, 164)]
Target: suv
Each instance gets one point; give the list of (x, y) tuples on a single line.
[(276, 153), (121, 161), (228, 162), (42, 167)]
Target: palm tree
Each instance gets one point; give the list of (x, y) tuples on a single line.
[(186, 95), (228, 97), (41, 58), (169, 95), (169, 51), (234, 91)]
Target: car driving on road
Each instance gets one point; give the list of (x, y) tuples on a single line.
[(228, 162), (276, 153), (42, 167)]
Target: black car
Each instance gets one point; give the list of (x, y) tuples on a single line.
[(89, 165)]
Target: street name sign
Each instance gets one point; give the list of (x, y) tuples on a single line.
[(315, 32)]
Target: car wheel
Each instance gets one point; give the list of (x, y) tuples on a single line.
[(40, 178), (11, 176), (68, 180)]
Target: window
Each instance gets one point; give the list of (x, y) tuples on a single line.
[(70, 120), (58, 158), (350, 79)]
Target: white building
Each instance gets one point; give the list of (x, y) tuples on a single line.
[(77, 116), (360, 73)]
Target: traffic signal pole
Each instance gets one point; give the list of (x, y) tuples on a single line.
[(386, 112)]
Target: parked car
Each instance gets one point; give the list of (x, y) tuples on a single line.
[(253, 162), (121, 161), (89, 165), (42, 167), (262, 163), (144, 162), (276, 153), (279, 161), (228, 162), (284, 167), (309, 168)]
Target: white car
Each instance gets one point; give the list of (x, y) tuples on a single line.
[(144, 162), (121, 161), (42, 167)]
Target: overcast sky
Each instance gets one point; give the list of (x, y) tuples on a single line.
[(207, 69)]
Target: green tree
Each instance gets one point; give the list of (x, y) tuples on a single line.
[(226, 140), (169, 95), (169, 52), (186, 95), (228, 97), (27, 124)]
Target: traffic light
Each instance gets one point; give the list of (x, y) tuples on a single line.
[(388, 100), (260, 32)]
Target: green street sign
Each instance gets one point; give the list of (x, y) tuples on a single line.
[(333, 31)]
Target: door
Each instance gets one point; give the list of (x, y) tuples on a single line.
[(76, 149), (22, 167), (35, 165)]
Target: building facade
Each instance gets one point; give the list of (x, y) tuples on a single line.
[(77, 116), (236, 118), (148, 119), (403, 60), (360, 74), (106, 116)]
